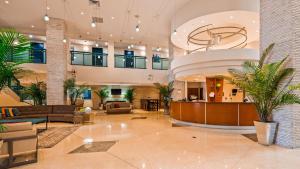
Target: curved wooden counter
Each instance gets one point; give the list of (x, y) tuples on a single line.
[(212, 113)]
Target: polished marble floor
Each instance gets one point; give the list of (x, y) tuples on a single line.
[(153, 143)]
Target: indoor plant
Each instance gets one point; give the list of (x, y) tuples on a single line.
[(37, 92), (12, 45), (129, 95), (268, 86), (74, 91), (166, 94), (102, 94)]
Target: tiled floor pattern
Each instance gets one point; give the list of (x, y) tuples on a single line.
[(153, 143)]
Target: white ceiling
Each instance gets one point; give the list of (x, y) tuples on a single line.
[(154, 15), (247, 19)]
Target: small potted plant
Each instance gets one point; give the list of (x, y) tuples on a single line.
[(267, 85)]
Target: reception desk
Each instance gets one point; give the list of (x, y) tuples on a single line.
[(214, 113)]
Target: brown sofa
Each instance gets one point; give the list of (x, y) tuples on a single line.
[(118, 108), (57, 113)]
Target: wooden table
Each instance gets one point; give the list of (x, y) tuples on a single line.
[(150, 104)]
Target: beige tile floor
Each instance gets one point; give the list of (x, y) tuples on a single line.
[(153, 143)]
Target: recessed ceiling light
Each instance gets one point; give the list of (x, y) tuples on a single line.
[(32, 26), (230, 17), (96, 45), (48, 8), (106, 43), (82, 13), (253, 21), (87, 33), (7, 2), (110, 35), (112, 17), (64, 40), (30, 36)]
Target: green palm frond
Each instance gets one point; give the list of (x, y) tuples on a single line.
[(129, 95), (36, 91), (266, 84)]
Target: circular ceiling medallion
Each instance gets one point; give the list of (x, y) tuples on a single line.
[(209, 36)]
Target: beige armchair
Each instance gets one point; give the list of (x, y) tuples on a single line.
[(19, 146)]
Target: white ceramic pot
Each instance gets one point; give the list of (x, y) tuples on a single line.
[(265, 132)]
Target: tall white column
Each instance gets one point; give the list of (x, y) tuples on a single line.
[(280, 24), (111, 54), (56, 61)]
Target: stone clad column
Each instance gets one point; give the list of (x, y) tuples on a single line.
[(280, 24), (111, 54), (56, 61), (149, 54)]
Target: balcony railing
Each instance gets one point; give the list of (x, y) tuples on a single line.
[(88, 59), (30, 56), (160, 63), (134, 62)]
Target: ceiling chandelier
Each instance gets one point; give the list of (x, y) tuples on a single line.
[(226, 37)]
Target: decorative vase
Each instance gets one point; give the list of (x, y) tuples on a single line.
[(265, 132)]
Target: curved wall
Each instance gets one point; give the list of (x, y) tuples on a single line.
[(211, 63)]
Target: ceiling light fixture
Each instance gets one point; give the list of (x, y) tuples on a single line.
[(231, 17), (7, 2), (96, 45), (32, 26), (46, 17), (106, 43), (30, 36), (110, 35), (175, 32), (112, 17), (64, 40), (129, 47), (137, 28), (93, 24), (48, 8), (81, 13)]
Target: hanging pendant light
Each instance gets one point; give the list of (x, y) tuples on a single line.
[(46, 17), (137, 28)]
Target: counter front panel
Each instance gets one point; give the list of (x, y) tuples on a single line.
[(227, 114)]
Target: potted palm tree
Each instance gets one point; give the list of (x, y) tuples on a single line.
[(36, 91), (129, 95), (74, 91), (166, 95), (102, 94), (268, 86)]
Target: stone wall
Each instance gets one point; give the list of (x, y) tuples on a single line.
[(280, 24), (56, 61)]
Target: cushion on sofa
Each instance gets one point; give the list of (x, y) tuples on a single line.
[(116, 105), (9, 112)]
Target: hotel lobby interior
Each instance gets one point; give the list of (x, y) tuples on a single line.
[(149, 84)]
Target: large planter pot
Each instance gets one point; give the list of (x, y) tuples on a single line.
[(265, 132)]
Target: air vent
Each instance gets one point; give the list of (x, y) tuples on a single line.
[(97, 19), (95, 2)]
